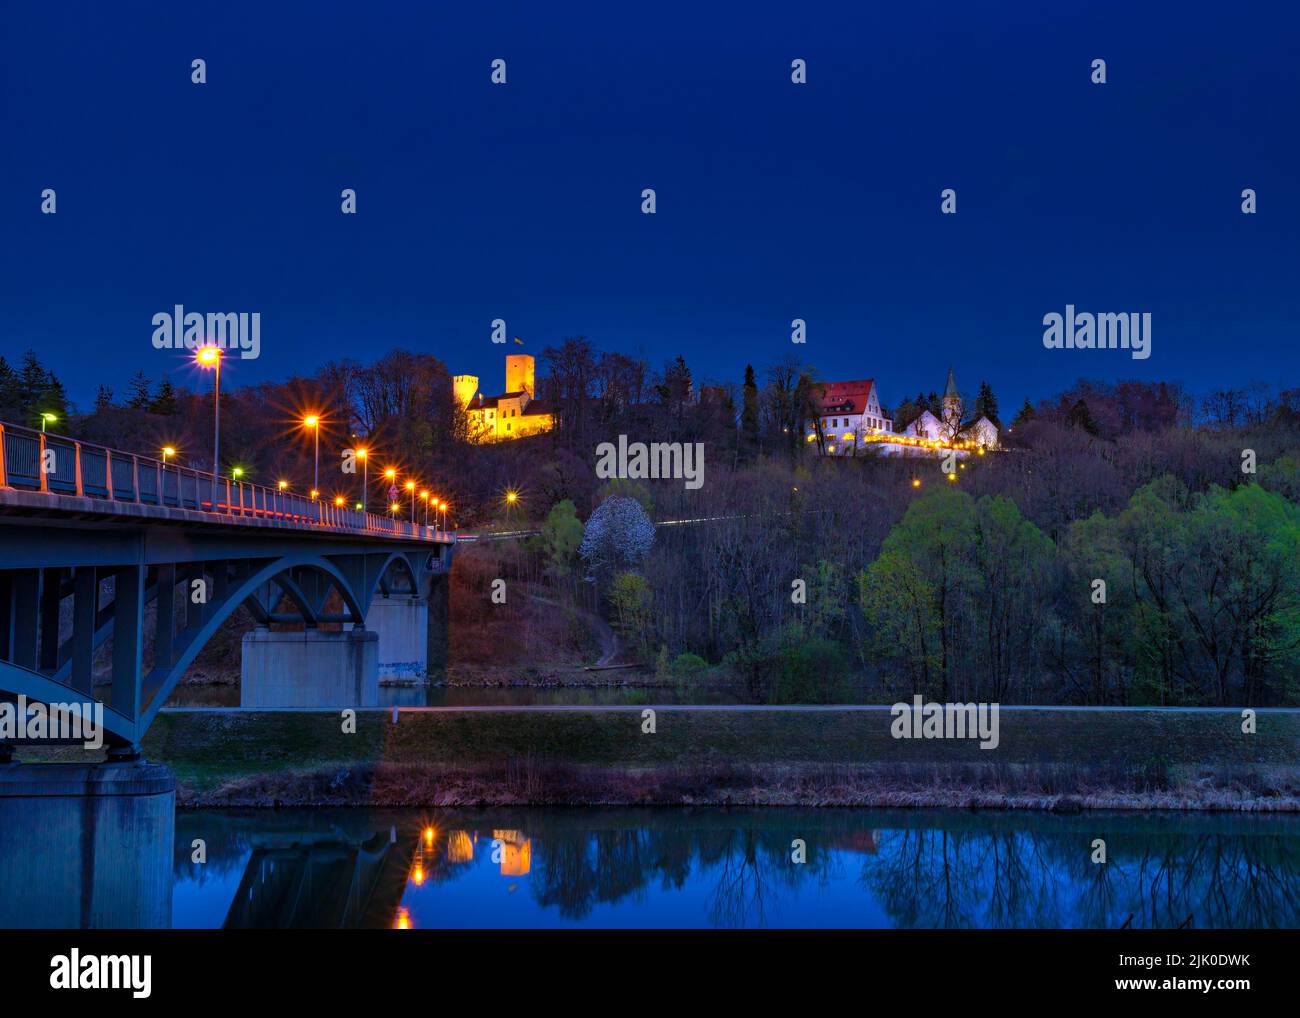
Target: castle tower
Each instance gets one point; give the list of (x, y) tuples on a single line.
[(519, 373), (465, 386), (952, 405)]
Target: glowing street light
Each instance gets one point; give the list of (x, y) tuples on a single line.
[(48, 419), (410, 486), (237, 473), (425, 495), (210, 357), (313, 421), (314, 494), (338, 501), (283, 485), (167, 451), (364, 456)]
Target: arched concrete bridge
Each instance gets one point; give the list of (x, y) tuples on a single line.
[(104, 553)]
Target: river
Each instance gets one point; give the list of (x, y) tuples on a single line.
[(545, 868)]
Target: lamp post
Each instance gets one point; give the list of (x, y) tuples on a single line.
[(210, 357), (425, 495), (313, 421), (167, 451), (47, 419), (410, 486), (365, 476)]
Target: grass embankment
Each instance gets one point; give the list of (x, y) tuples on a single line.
[(1045, 759)]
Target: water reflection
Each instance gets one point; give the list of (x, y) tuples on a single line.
[(714, 868)]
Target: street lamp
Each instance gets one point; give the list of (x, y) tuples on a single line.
[(365, 476), (167, 451), (47, 419), (410, 486), (313, 421), (210, 357), (425, 495)]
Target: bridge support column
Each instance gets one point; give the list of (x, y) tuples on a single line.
[(439, 621), (310, 668), (86, 845), (402, 624)]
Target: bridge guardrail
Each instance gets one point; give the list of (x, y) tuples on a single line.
[(32, 460)]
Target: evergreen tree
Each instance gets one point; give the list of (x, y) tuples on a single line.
[(986, 404), (1025, 416), (54, 398), (139, 398), (1081, 417), (164, 403), (39, 392), (103, 399), (749, 409), (10, 392)]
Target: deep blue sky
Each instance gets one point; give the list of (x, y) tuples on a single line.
[(775, 201)]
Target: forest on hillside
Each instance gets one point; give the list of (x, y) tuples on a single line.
[(1131, 544)]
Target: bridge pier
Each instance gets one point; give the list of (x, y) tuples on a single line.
[(310, 668), (402, 622), (439, 622), (86, 846)]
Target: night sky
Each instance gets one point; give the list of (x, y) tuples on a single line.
[(775, 201)]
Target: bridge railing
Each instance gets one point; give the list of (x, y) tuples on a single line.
[(32, 460)]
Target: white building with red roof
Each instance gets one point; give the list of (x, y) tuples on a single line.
[(850, 411)]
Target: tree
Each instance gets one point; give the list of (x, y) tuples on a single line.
[(1081, 417), (618, 536), (986, 404), (1025, 415), (749, 410), (164, 403), (921, 588), (103, 399), (561, 536), (138, 388), (629, 599)]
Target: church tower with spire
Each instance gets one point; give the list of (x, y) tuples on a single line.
[(952, 405)]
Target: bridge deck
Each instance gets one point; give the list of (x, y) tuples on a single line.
[(56, 478)]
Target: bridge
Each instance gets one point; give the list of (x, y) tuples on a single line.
[(120, 567)]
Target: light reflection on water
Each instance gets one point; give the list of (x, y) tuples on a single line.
[(521, 869)]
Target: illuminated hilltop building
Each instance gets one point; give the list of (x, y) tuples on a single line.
[(852, 419), (513, 414)]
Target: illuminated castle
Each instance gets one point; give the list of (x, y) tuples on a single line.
[(513, 414)]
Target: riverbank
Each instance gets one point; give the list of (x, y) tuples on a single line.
[(1052, 759), (531, 783)]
